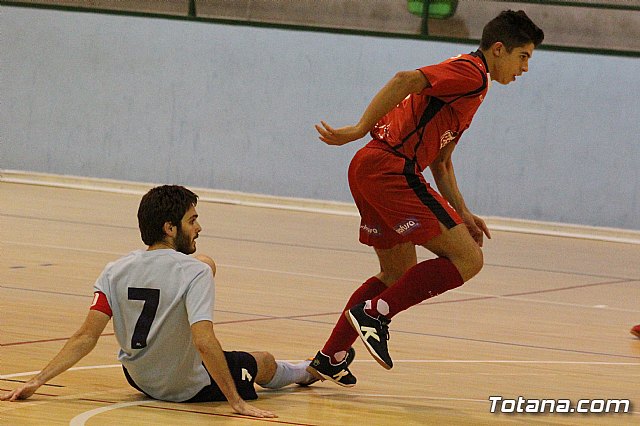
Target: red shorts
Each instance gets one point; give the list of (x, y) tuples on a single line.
[(396, 203)]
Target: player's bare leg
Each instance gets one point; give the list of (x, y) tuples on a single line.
[(394, 262)]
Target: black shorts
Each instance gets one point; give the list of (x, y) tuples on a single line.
[(237, 362)]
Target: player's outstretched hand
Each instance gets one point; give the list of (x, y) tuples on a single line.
[(23, 392), (241, 407), (339, 136)]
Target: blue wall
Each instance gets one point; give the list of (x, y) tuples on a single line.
[(233, 107)]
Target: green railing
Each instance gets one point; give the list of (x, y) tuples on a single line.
[(444, 9), (431, 9), (601, 26)]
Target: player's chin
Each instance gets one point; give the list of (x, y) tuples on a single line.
[(506, 79), (192, 248)]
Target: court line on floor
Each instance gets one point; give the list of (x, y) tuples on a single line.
[(481, 296), (304, 318), (396, 361), (205, 235), (56, 339), (81, 419), (478, 297)]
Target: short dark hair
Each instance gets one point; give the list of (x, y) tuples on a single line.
[(513, 29), (167, 203)]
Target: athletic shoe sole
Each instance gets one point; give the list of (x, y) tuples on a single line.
[(320, 376)]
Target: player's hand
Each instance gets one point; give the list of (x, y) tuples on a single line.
[(339, 136), (23, 392), (477, 228), (241, 407)]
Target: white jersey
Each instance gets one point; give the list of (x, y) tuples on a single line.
[(155, 297)]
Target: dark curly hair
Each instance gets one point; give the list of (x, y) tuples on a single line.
[(167, 203), (513, 29)]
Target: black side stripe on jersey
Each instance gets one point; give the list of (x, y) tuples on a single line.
[(433, 107), (425, 197)]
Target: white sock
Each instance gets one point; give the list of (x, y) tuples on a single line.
[(288, 373), (382, 307), (339, 356)]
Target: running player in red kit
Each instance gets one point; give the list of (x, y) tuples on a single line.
[(416, 120)]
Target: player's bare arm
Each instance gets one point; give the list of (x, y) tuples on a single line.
[(77, 347), (399, 87), (212, 354), (445, 178)]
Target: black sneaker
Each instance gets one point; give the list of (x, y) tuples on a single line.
[(322, 368), (374, 332)]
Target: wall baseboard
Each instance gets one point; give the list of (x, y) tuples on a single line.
[(310, 205)]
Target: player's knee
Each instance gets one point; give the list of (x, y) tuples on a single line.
[(266, 366), (468, 263), (264, 358), (269, 358), (473, 263), (209, 261)]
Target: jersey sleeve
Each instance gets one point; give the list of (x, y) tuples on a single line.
[(455, 77), (100, 291), (199, 296), (100, 303)]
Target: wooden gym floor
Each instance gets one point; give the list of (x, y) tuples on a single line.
[(548, 317)]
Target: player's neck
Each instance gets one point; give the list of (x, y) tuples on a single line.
[(488, 57), (162, 245)]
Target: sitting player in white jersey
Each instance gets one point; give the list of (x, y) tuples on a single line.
[(161, 302)]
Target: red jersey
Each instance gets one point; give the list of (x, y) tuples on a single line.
[(425, 122)]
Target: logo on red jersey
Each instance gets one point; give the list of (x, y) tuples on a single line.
[(447, 137)]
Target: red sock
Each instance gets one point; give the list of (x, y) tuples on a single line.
[(343, 335), (423, 281)]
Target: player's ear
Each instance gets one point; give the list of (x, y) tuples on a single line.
[(169, 229), (498, 48)]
